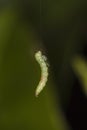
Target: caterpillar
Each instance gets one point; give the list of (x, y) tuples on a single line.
[(41, 59)]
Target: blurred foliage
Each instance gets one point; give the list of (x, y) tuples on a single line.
[(25, 27), (79, 65), (19, 76)]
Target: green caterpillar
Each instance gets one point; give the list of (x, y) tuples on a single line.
[(41, 59)]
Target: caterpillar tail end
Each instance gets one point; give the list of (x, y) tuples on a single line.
[(36, 94)]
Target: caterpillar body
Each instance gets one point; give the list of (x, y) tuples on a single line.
[(41, 59)]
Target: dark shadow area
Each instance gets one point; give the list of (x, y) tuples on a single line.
[(77, 109)]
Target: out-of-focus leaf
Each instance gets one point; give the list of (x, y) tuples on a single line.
[(80, 68), (19, 76)]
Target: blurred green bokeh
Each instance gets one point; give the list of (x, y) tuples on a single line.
[(25, 27), (19, 76), (79, 65)]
